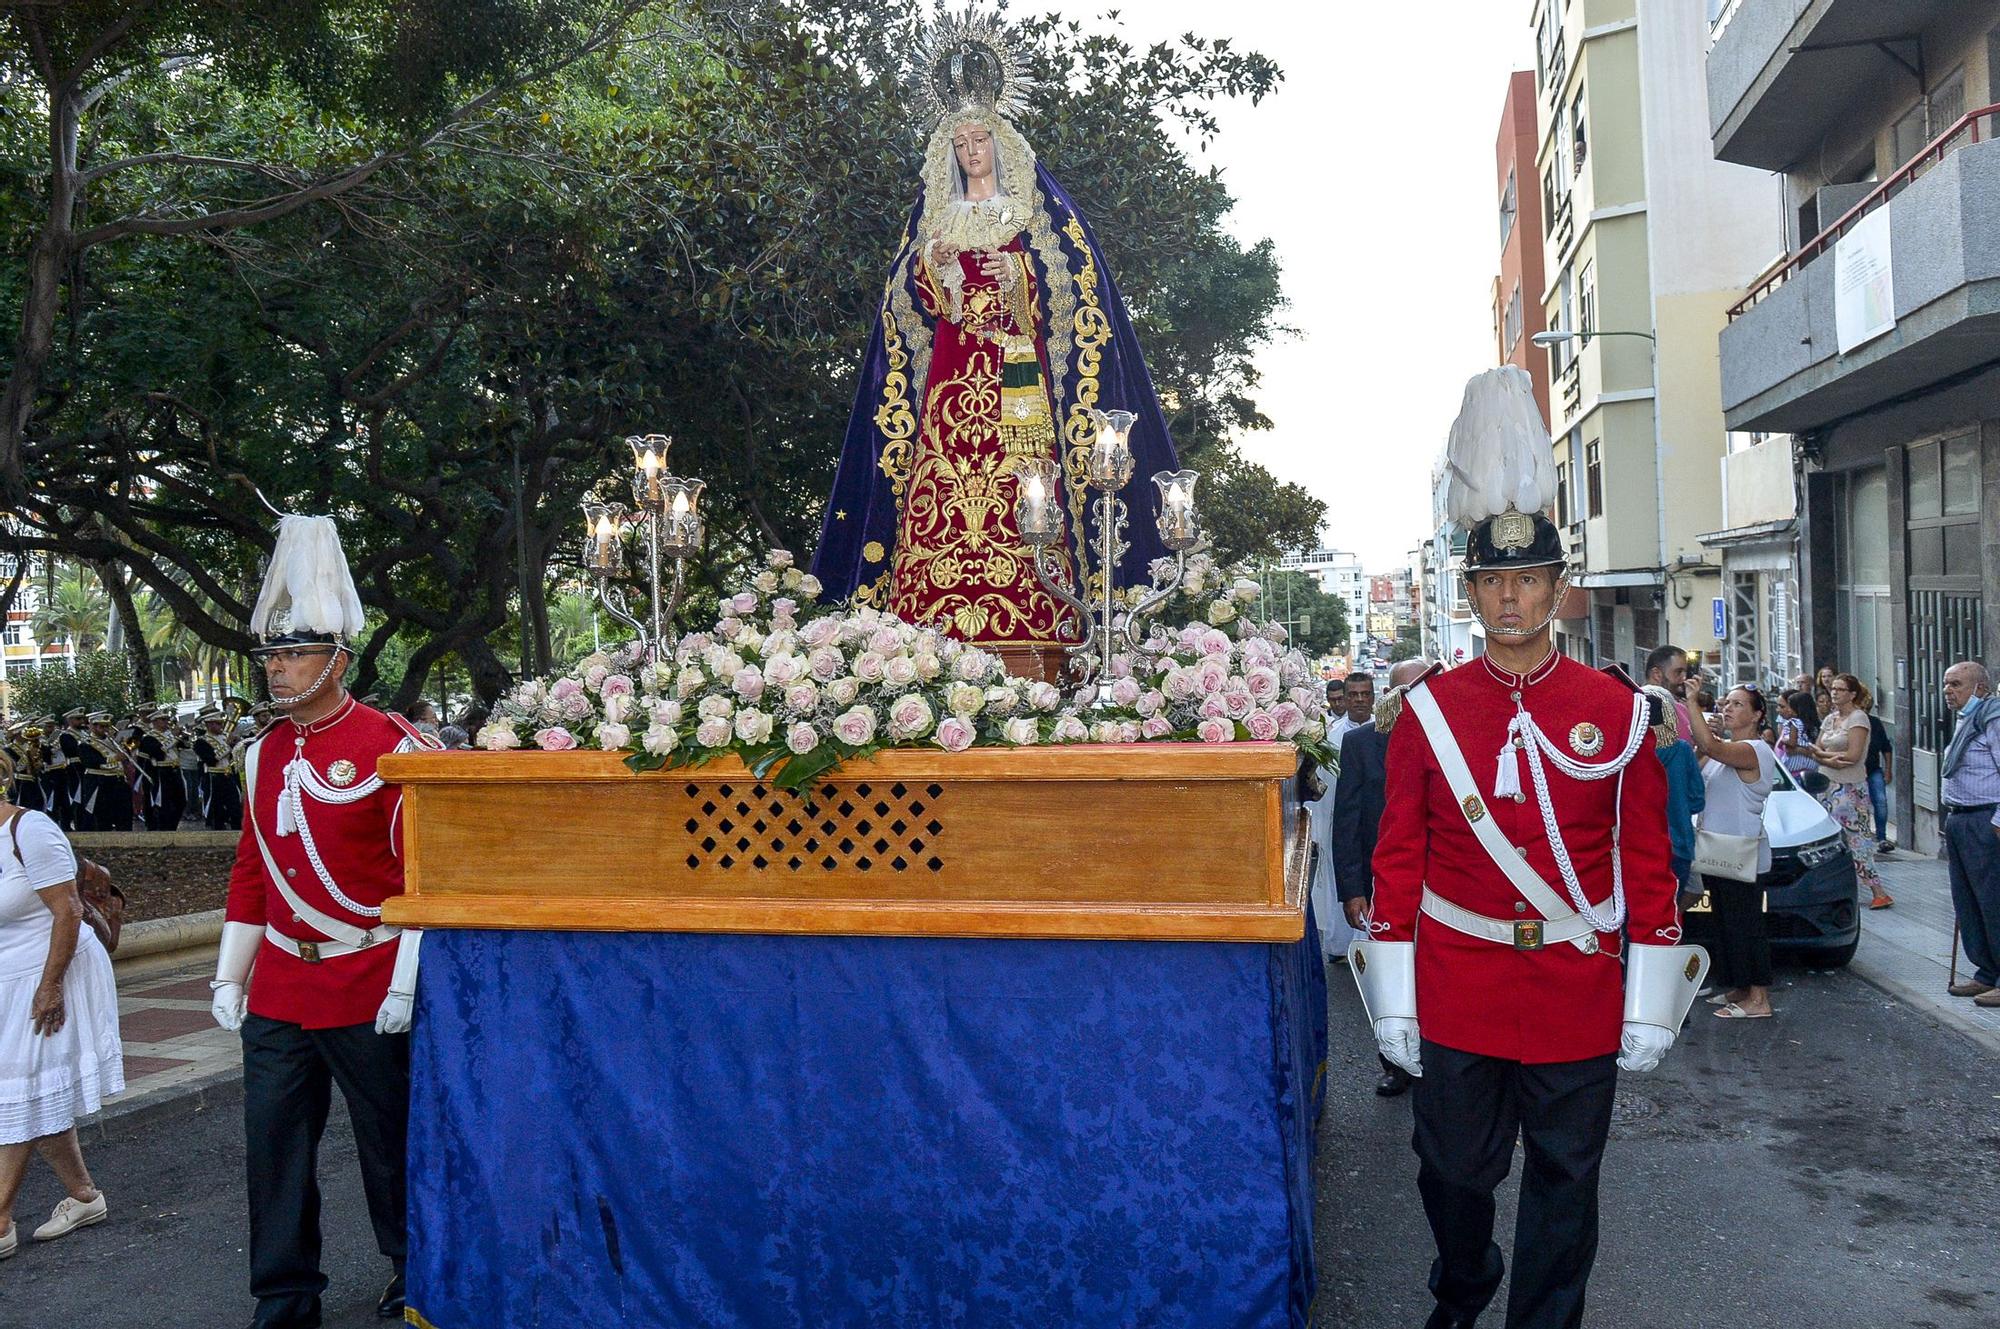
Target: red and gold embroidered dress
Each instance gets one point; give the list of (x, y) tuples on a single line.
[(959, 563)]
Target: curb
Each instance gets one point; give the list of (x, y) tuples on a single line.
[(155, 839), (125, 1119), (156, 945), (1922, 1001)]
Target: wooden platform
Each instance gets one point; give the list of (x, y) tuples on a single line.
[(1190, 842)]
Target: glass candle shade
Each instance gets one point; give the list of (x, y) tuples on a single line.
[(649, 464), (681, 523), (1178, 528), (601, 526), (1035, 514), (1111, 455)]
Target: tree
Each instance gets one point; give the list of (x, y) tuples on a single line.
[(650, 220), (1317, 620), (76, 611), (95, 681)]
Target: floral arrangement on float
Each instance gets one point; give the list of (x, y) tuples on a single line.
[(793, 687)]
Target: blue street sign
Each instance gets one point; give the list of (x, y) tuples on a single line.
[(1721, 618)]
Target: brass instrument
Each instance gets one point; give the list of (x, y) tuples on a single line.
[(31, 752)]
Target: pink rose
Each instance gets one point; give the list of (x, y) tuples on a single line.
[(713, 733), (1182, 685), (1262, 726), (1290, 719), (1121, 666), (1068, 729), (1156, 727), (555, 739), (595, 675), (744, 602), (1236, 701), (785, 607), (855, 727), (1213, 709), (1263, 685), (617, 685), (782, 670), (801, 738), (1214, 641), (820, 632), (748, 683), (1212, 675), (910, 717), (1125, 691), (565, 688), (868, 667), (1215, 730), (899, 671), (885, 641), (825, 662), (1149, 703), (802, 696), (954, 734)]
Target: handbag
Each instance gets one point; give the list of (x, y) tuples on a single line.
[(1733, 857), (103, 903)]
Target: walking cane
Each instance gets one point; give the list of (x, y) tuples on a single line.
[(1953, 981)]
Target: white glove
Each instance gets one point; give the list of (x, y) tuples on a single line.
[(1398, 1038), (233, 961), (1642, 1046), (399, 1006)]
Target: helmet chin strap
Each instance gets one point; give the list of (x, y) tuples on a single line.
[(1562, 588), (289, 703)]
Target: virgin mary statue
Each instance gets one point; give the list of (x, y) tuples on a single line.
[(999, 331)]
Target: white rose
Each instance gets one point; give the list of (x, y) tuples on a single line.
[(928, 666), (900, 671), (1001, 699), (779, 558), (964, 699), (661, 739), (617, 707), (1221, 611), (910, 717), (767, 582), (753, 726), (691, 681), (843, 691), (715, 708), (712, 733), (667, 712), (613, 736), (808, 585), (497, 736), (1021, 731)]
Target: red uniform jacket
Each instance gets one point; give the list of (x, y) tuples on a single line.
[(359, 844), (1479, 996)]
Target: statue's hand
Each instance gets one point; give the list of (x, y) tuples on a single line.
[(1000, 268), (938, 255)]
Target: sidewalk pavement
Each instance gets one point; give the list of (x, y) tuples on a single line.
[(173, 1047), (1906, 949)]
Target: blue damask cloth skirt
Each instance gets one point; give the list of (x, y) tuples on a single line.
[(666, 1130)]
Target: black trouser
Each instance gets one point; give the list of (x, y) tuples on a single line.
[(288, 1075), (1469, 1109), (1742, 945), (225, 809), (1972, 857), (55, 798)]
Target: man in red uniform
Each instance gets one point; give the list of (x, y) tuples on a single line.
[(320, 987), (1525, 822)]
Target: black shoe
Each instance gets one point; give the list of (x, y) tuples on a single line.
[(392, 1303), (1394, 1081), (1444, 1319)]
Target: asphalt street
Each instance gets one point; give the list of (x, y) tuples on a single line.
[(1833, 1166)]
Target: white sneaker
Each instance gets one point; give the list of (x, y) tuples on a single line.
[(70, 1215), (11, 1242)]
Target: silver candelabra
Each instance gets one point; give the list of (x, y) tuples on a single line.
[(667, 508), (1039, 518)]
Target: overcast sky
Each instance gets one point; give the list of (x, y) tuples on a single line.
[(1373, 171)]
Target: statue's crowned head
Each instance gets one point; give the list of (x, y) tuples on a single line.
[(969, 85)]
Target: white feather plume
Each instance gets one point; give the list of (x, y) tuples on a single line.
[(1498, 456), (308, 575)]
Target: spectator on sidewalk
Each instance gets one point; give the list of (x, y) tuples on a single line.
[(1684, 795), (1881, 769), (1667, 667), (1971, 771), (1798, 722), (59, 1051), (1357, 813), (1738, 772), (1842, 752), (1356, 705)]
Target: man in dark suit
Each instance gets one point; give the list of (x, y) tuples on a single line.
[(1357, 810)]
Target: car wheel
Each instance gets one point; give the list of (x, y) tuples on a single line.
[(1830, 957)]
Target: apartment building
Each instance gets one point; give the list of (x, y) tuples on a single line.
[(1871, 350), (1647, 242), (1518, 312), (1338, 573)]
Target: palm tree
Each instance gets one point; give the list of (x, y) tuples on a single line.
[(572, 627), (76, 610)]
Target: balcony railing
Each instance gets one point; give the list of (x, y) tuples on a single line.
[(1966, 129)]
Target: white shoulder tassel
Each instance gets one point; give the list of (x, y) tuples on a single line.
[(287, 823), (1507, 773)]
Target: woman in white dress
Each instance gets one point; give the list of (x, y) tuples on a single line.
[(59, 1050)]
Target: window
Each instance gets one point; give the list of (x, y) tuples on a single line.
[(1586, 300), (1593, 476), (1563, 353), (1565, 517), (14, 632), (1509, 204), (1544, 44), (1947, 102), (1549, 200), (1906, 136), (1511, 328), (1579, 140)]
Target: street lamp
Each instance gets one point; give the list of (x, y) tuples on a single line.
[(1557, 336)]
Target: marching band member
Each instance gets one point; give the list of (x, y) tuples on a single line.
[(1524, 822), (107, 793), (320, 987), (157, 751), (69, 741), (55, 776), (221, 797)]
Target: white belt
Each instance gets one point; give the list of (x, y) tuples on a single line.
[(313, 952), (1523, 934)]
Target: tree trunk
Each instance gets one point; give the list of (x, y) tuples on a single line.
[(127, 609), (42, 298)]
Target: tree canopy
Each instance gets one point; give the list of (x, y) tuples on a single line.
[(421, 265)]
